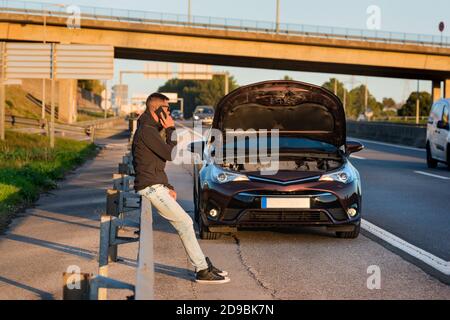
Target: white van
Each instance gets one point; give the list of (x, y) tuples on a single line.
[(438, 134)]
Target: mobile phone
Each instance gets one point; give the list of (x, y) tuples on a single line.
[(160, 113)]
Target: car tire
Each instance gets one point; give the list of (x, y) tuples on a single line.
[(448, 156), (349, 234), (204, 232), (431, 163)]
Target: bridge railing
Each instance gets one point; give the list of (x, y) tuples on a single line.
[(148, 17)]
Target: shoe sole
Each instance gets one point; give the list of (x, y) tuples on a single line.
[(226, 280)]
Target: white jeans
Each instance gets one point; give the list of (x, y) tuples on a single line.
[(169, 208)]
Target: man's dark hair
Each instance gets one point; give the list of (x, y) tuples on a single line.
[(155, 95)]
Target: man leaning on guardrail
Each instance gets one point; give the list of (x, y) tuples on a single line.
[(152, 147)]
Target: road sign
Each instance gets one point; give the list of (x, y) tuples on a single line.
[(173, 96), (441, 26), (28, 61), (195, 71), (84, 62)]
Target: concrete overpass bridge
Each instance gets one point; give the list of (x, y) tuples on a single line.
[(174, 38)]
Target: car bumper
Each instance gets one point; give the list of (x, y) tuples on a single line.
[(244, 207)]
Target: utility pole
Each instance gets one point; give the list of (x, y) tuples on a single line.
[(417, 104), (226, 83), (52, 100), (2, 90), (44, 40), (189, 11), (43, 80), (366, 97), (278, 17), (106, 98)]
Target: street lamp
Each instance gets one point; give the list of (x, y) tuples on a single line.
[(44, 14)]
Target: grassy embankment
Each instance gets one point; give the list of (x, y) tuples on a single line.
[(28, 166), (19, 105)]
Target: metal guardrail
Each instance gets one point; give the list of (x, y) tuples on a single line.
[(214, 23), (87, 128), (121, 202)]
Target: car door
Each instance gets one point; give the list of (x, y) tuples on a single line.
[(433, 131), (442, 134)]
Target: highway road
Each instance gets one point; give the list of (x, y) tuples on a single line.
[(62, 230), (402, 196)]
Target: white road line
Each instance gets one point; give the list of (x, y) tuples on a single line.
[(357, 157), (389, 144), (420, 254), (432, 175)]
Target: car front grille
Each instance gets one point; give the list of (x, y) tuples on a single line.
[(283, 217)]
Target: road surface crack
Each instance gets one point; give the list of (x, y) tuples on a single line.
[(252, 271)]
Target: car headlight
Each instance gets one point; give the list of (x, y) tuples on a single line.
[(223, 176), (345, 175)]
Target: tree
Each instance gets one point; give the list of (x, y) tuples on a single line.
[(389, 103), (286, 77), (94, 86), (357, 102), (199, 92), (409, 108), (341, 90)]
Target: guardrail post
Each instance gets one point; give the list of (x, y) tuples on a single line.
[(112, 209), (145, 269), (105, 226)]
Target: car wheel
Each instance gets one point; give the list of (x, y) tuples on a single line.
[(205, 234), (448, 156), (349, 234), (431, 163)]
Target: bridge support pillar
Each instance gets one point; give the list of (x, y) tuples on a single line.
[(447, 88), (436, 90), (67, 111)]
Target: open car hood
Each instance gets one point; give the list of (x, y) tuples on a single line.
[(292, 107)]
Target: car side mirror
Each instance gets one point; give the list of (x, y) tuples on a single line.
[(353, 146), (196, 147), (442, 125)]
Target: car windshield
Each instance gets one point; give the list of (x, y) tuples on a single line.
[(294, 144)]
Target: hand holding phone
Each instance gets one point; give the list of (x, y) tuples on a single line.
[(164, 118)]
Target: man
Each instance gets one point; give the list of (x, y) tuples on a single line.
[(152, 147)]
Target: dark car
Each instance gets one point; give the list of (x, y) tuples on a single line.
[(204, 114), (315, 184), (177, 115)]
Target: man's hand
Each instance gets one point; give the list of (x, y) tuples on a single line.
[(167, 122), (173, 194)]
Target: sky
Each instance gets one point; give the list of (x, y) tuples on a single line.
[(410, 16)]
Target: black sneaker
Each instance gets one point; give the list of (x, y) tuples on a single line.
[(208, 276), (222, 273)]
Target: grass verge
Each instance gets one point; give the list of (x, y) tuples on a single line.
[(28, 167)]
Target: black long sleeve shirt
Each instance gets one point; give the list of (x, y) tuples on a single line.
[(150, 152)]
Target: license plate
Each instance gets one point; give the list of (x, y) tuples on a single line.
[(285, 203)]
